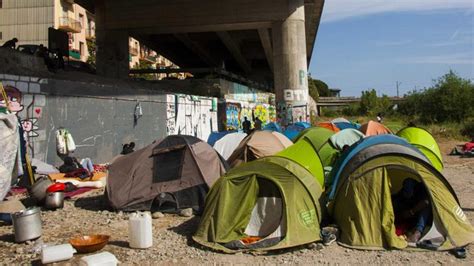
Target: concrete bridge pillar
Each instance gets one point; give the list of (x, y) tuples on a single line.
[(290, 65), (112, 55)]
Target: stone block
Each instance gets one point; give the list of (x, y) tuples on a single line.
[(34, 79), (43, 81), (35, 88), (25, 78), (9, 82), (12, 77), (40, 100), (22, 86)]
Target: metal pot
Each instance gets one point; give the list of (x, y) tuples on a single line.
[(27, 224), (54, 200), (38, 190)]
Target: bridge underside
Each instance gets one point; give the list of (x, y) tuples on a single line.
[(268, 41)]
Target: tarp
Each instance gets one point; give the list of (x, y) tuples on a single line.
[(227, 145), (362, 206), (231, 207), (258, 144), (9, 152), (425, 142), (373, 128), (43, 168), (170, 174), (345, 137)]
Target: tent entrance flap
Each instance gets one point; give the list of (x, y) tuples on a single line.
[(267, 223)]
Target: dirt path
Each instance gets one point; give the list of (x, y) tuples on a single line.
[(173, 245)]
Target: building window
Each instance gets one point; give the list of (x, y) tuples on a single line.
[(1, 34), (81, 19), (81, 48), (1, 3)]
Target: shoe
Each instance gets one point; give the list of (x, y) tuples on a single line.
[(459, 253), (413, 238), (329, 239)]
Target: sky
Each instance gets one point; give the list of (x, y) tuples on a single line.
[(365, 44)]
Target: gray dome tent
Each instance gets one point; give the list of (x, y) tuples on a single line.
[(168, 175)]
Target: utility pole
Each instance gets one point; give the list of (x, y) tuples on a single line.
[(398, 84)]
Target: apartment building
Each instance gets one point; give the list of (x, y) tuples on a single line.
[(29, 20)]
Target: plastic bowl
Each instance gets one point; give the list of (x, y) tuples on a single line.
[(89, 243)]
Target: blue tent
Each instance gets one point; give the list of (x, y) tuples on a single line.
[(272, 127), (293, 130), (355, 149), (215, 136), (344, 125)]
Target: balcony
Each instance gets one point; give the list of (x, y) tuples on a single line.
[(149, 58), (70, 25), (133, 50), (90, 34)]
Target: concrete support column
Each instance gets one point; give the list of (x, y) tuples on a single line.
[(112, 54), (290, 65)]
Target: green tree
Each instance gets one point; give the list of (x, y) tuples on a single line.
[(448, 100), (323, 88), (91, 47), (313, 90), (143, 64)]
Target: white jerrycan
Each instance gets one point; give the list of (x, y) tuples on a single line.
[(140, 233), (56, 253)]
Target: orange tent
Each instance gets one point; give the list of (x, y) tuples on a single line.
[(329, 126), (373, 128)]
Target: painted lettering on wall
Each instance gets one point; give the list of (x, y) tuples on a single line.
[(295, 95), (191, 115)]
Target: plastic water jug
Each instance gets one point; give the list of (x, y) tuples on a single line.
[(56, 253), (140, 230), (100, 259)]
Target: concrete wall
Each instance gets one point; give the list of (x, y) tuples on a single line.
[(100, 117)]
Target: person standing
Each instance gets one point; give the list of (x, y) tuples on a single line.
[(246, 125)]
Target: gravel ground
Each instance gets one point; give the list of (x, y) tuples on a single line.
[(172, 242)]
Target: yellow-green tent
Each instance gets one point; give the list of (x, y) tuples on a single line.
[(360, 198), (270, 203), (319, 138), (425, 142)]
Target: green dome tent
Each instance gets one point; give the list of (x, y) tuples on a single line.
[(273, 202), (425, 142), (364, 179), (319, 138), (305, 154)]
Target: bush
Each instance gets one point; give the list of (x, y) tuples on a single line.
[(468, 129), (449, 100)]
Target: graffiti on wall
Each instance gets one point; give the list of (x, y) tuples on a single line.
[(16, 105), (191, 115), (237, 111), (233, 115)]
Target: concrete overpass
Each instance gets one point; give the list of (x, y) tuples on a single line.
[(346, 101), (268, 41)]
